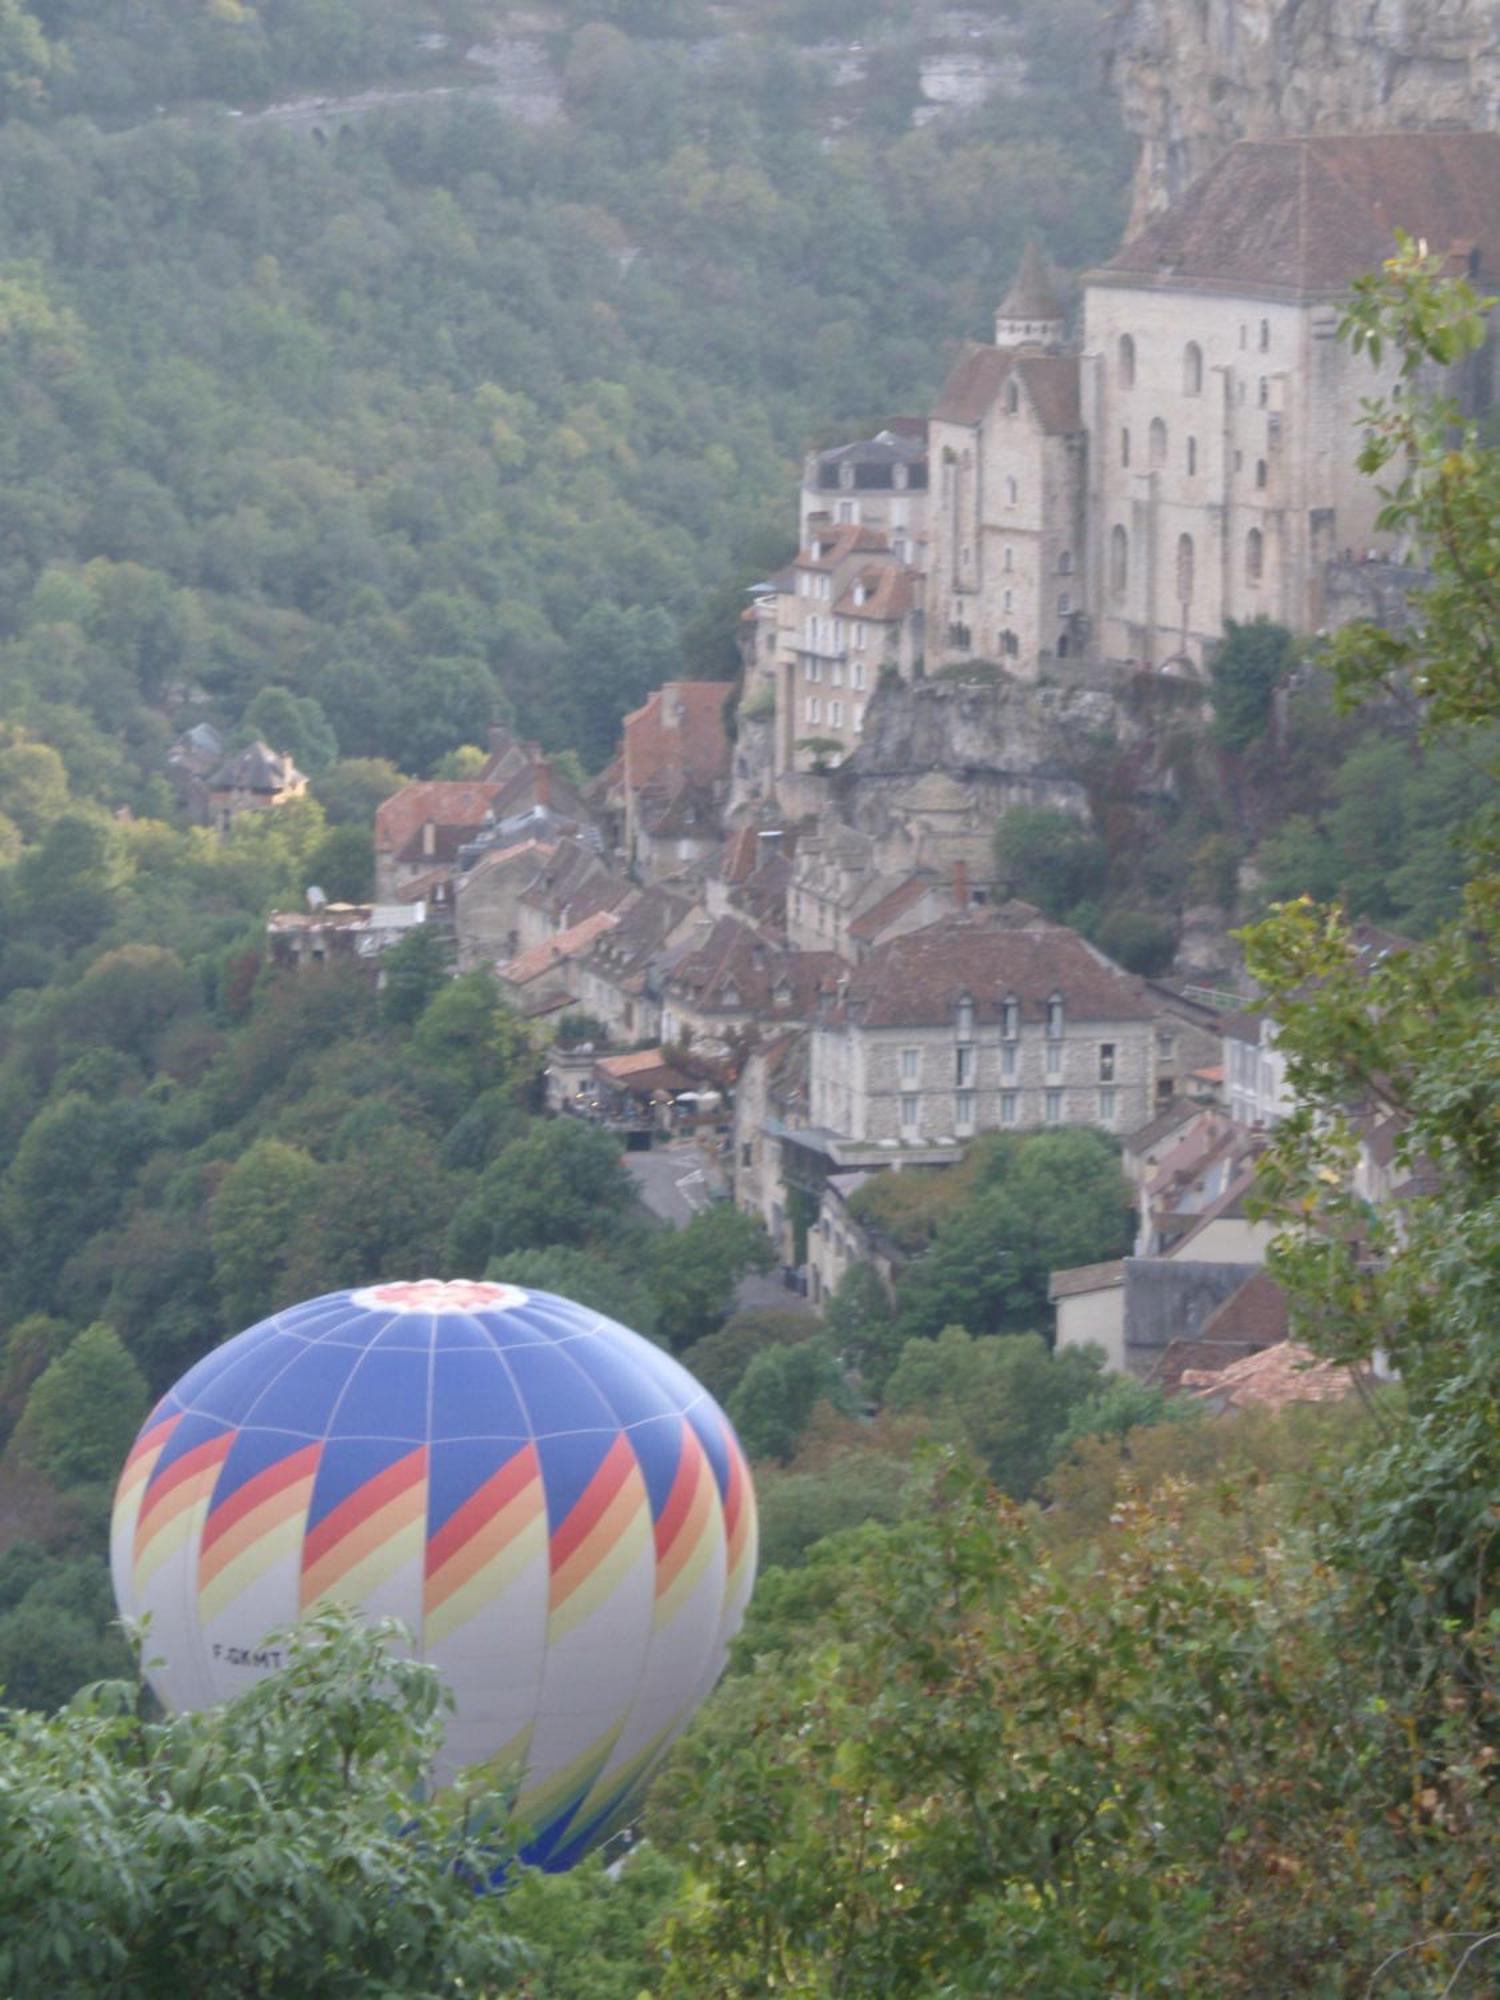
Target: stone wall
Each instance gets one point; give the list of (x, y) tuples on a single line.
[(1195, 75)]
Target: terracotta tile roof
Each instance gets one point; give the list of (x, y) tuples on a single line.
[(1272, 1379), (457, 802), (871, 922), (503, 857), (917, 980), (849, 538), (1051, 382), (679, 730), (889, 594), (1086, 1278), (572, 943), (1304, 217), (1256, 1314)]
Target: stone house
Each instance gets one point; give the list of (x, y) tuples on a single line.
[(878, 482), (732, 980), (770, 1100), (1007, 535), (1223, 413), (355, 933), (620, 977), (675, 776), (996, 1022), (255, 779), (487, 902), (850, 614), (572, 882), (422, 827)]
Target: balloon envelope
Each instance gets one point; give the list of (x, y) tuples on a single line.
[(555, 1509)]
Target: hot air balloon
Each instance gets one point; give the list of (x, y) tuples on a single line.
[(558, 1512)]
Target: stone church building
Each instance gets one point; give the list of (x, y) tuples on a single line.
[(1185, 458)]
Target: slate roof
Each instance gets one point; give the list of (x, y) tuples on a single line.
[(1301, 218), (1086, 1278), (978, 375), (917, 981), (1031, 296), (736, 970), (895, 903), (256, 768)]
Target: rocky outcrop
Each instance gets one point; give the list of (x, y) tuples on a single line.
[(1195, 75)]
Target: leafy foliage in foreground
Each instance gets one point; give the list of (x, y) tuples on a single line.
[(273, 1846)]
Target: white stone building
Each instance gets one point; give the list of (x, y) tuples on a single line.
[(1000, 1023)]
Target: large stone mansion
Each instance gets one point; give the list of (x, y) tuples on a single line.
[(1188, 457)]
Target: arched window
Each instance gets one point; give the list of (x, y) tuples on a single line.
[(1127, 362), (1262, 474), (1192, 456), (1119, 561), (1158, 441), (1255, 556), (1185, 568), (1125, 447), (1012, 399), (1192, 369)]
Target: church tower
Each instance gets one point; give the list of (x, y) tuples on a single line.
[(1029, 314)]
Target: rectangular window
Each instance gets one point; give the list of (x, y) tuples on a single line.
[(1009, 1103), (963, 1111), (1052, 1107), (1010, 1020), (1065, 606), (814, 671), (963, 1068), (859, 666), (838, 632), (747, 1155), (859, 715), (860, 635), (836, 714), (1007, 1060), (1166, 1046), (1054, 1058), (911, 1065), (1054, 1020), (1106, 1062), (911, 1114), (814, 709), (1106, 1107)]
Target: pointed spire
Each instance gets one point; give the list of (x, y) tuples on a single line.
[(1031, 297)]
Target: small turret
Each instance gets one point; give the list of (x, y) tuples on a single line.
[(1029, 314)]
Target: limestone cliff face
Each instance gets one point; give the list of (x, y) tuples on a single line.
[(1195, 75)]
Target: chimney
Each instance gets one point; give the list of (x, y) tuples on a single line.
[(961, 888)]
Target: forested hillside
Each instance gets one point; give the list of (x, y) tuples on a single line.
[(450, 420)]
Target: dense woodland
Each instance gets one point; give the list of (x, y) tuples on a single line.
[(364, 446)]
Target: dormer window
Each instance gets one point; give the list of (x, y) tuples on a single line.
[(965, 1029), (1010, 1020), (1055, 1018), (731, 995), (898, 477), (846, 476)]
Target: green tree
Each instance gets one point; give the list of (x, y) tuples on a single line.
[(1048, 1202), (1252, 662), (413, 972), (260, 1205), (560, 1184), (720, 1359), (777, 1394), (350, 790), (1006, 1397), (590, 1280), (81, 1418), (33, 786), (274, 1845), (1049, 858), (694, 1272)]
